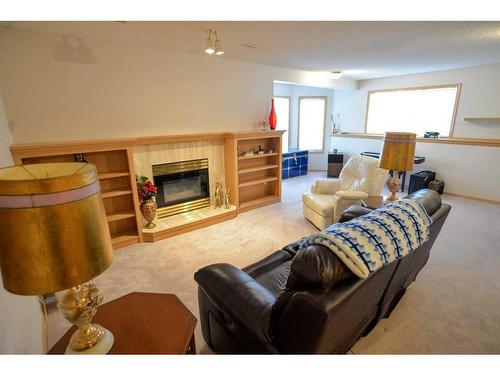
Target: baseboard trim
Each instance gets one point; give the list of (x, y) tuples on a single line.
[(473, 198)]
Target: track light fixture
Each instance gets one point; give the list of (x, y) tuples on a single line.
[(213, 44)]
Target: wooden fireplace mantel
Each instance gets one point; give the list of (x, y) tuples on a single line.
[(253, 181)]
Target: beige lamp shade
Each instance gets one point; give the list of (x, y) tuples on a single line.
[(398, 151), (53, 229)]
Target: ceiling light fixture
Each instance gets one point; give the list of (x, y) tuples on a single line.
[(210, 44), (213, 44), (218, 47), (336, 74)]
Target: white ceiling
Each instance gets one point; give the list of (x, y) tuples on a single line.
[(362, 49)]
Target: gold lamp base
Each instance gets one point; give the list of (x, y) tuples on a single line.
[(79, 305), (393, 184), (102, 346)]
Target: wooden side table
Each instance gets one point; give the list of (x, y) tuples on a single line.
[(144, 323)]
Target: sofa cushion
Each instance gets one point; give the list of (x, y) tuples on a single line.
[(429, 199), (316, 267), (320, 203), (275, 279), (268, 263)]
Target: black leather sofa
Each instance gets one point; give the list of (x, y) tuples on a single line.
[(305, 301)]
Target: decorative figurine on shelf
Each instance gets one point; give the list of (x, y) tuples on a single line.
[(227, 203), (147, 192), (270, 151), (263, 125), (261, 150), (335, 122), (80, 158), (219, 193), (248, 153), (273, 119), (431, 135)]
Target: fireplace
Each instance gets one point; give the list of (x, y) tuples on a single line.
[(182, 186)]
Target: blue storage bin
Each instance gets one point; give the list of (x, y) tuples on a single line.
[(294, 172), (294, 163)]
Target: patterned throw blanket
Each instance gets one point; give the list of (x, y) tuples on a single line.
[(371, 241)]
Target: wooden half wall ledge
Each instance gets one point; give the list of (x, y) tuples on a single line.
[(494, 142), (20, 151)]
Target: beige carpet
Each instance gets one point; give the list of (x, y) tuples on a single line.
[(453, 307)]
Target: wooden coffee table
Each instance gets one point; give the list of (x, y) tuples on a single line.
[(373, 201), (144, 323)]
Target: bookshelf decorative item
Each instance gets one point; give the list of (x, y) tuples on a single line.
[(273, 119)]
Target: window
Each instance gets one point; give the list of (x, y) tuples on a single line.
[(282, 108), (413, 110), (311, 123)]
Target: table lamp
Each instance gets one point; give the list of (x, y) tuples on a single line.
[(397, 155), (54, 237)]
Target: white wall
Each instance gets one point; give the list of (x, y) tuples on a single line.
[(466, 170), (129, 90), (20, 317), (317, 161)]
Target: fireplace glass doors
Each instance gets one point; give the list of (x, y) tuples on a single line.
[(182, 186)]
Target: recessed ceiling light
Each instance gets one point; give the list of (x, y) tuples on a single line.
[(336, 74)]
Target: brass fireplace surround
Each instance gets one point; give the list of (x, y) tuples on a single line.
[(178, 167)]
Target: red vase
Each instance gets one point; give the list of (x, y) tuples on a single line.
[(273, 120)]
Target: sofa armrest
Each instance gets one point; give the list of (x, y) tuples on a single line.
[(351, 195), (353, 212), (239, 296), (345, 199), (326, 186)]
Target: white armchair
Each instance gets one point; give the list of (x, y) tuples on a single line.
[(328, 198)]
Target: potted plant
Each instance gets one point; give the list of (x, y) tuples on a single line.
[(147, 192)]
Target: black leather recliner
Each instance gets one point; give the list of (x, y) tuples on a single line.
[(305, 301)]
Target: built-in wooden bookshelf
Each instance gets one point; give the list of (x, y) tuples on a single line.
[(257, 177), (253, 180), (117, 190)]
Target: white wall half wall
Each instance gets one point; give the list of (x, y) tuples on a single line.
[(463, 168), (466, 170), (20, 316), (317, 161)]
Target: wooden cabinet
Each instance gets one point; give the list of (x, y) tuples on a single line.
[(118, 191), (255, 180)]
